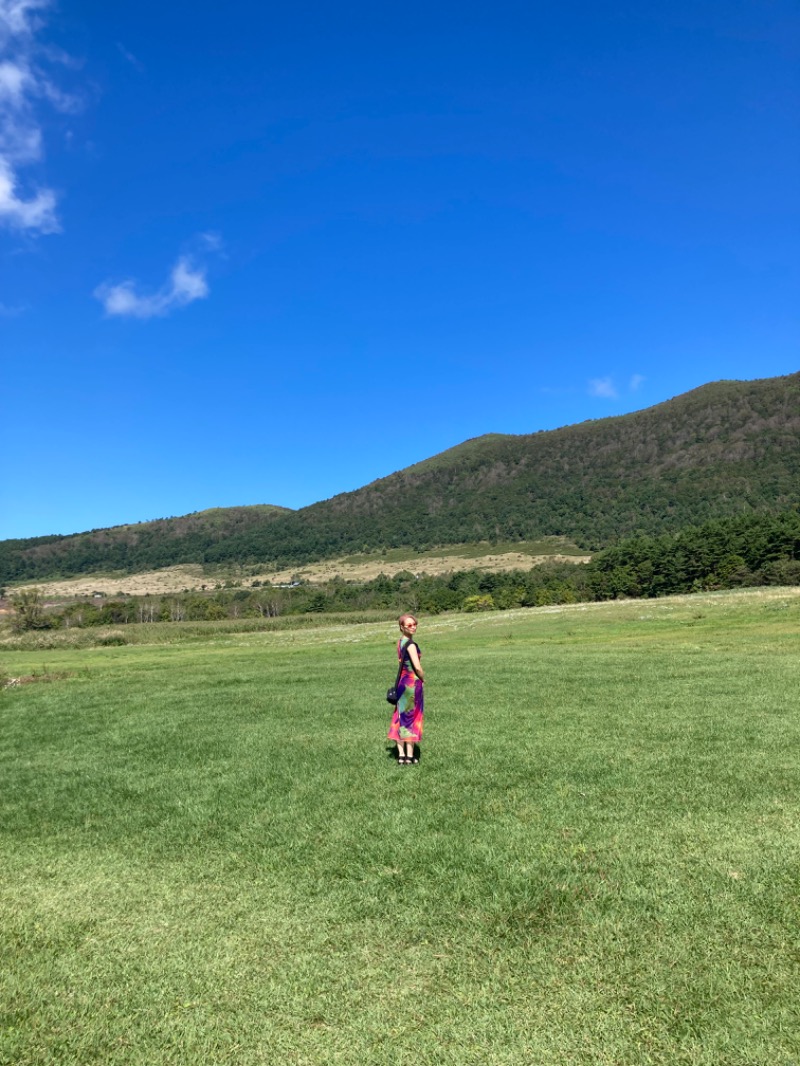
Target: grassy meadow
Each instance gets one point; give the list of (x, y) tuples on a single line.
[(209, 855)]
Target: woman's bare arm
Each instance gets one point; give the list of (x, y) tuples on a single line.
[(414, 657)]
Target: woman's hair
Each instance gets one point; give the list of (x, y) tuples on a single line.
[(403, 617)]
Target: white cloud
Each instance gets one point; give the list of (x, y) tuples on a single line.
[(23, 85), (36, 213), (14, 78), (17, 18), (637, 380), (187, 283), (602, 387)]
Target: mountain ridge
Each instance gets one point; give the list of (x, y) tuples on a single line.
[(724, 448)]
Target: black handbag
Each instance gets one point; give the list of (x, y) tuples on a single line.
[(393, 696)]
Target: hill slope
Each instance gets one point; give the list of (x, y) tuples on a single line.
[(726, 448), (140, 546)]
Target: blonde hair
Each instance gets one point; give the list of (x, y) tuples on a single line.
[(403, 617)]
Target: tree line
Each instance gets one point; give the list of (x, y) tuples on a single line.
[(738, 552)]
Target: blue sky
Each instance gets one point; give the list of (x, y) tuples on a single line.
[(266, 253)]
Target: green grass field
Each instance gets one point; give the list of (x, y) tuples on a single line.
[(208, 855)]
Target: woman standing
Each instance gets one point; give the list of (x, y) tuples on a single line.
[(406, 726)]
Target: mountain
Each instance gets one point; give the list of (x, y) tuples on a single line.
[(727, 448), (141, 546)]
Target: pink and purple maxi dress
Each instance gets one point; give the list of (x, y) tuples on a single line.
[(406, 725)]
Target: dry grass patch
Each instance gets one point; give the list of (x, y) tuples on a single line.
[(46, 676), (149, 583), (370, 568), (351, 568)]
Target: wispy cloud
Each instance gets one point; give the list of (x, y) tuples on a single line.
[(603, 387), (11, 312), (607, 390), (23, 85), (187, 283), (210, 241), (17, 17), (36, 213), (131, 58)]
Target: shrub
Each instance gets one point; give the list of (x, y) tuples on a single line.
[(110, 640), (478, 603), (29, 611)]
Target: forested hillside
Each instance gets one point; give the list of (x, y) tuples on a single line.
[(725, 449), (142, 546)]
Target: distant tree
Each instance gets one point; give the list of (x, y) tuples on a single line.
[(478, 603), (266, 608), (316, 603), (29, 610), (509, 597), (117, 612)]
